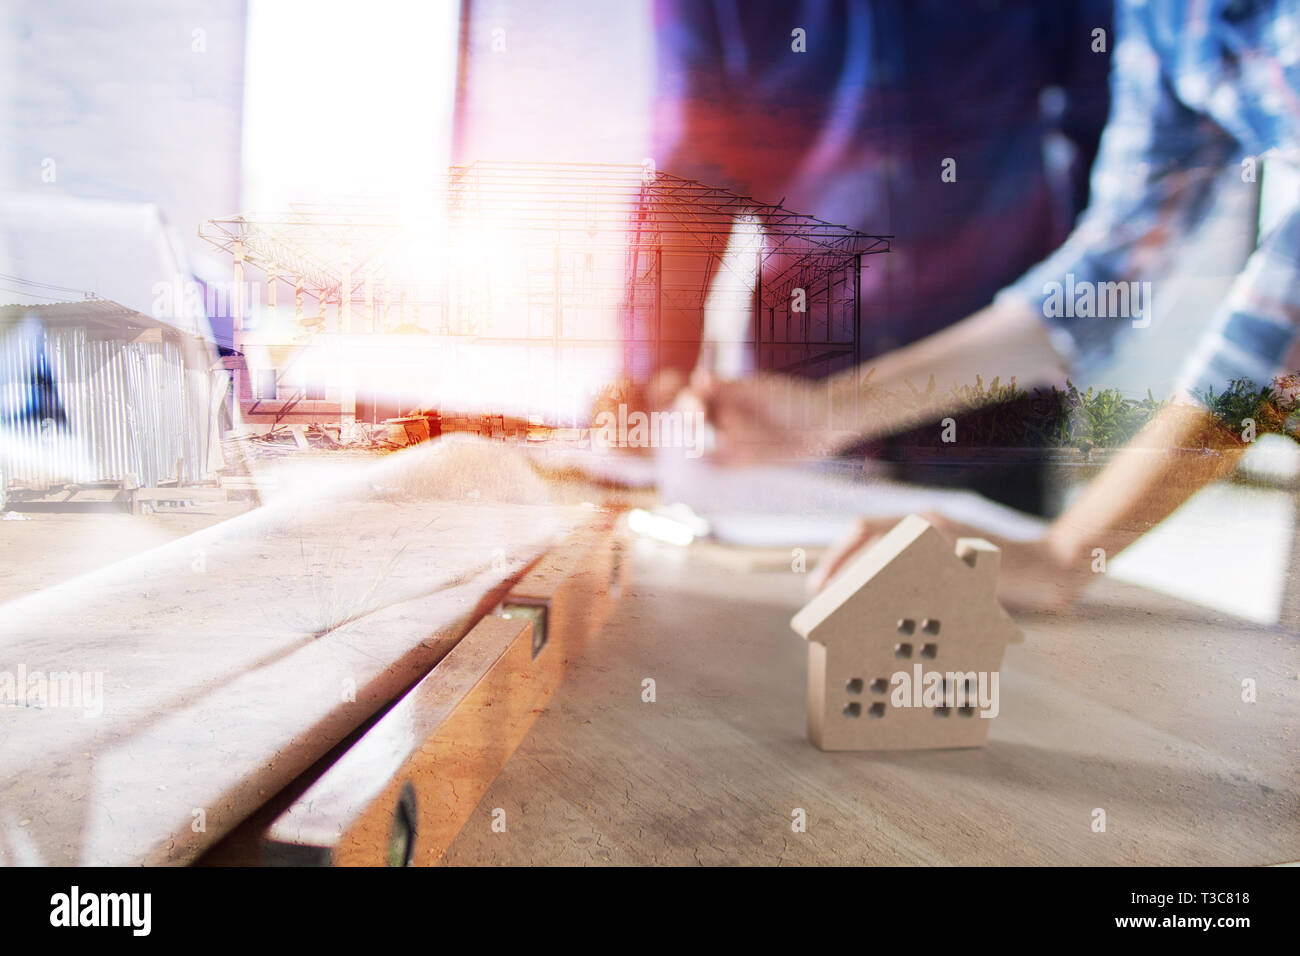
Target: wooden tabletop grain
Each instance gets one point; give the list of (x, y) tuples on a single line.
[(1131, 704), (224, 664)]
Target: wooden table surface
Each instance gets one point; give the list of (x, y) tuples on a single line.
[(1130, 703), (229, 661)]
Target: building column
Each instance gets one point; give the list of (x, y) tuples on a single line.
[(237, 295), (271, 280), (370, 302), (345, 294)]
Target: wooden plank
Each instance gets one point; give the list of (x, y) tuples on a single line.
[(233, 659), (1131, 703), (248, 482), (140, 496), (404, 790), (180, 494)]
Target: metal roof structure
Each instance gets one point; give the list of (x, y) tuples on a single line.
[(625, 205), (61, 248), (103, 315), (552, 220), (640, 208)]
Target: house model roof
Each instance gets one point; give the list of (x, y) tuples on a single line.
[(916, 537)]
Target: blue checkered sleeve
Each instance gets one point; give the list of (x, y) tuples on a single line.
[(1151, 184), (1253, 335)]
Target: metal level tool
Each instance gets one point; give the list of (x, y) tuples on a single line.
[(407, 786)]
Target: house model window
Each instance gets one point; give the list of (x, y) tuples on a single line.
[(910, 613)]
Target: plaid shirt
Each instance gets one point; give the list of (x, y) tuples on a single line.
[(1196, 86)]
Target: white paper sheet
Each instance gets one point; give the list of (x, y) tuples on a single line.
[(780, 506)]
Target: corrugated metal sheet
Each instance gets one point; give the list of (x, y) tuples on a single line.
[(132, 409)]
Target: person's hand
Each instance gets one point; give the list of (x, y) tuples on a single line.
[(767, 417), (1032, 578), (664, 391)]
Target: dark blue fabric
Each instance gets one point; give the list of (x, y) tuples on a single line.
[(856, 129)]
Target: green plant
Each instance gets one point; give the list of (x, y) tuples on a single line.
[(1272, 408), (1005, 415)]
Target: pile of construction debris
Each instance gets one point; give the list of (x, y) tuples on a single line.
[(361, 436), (389, 435)]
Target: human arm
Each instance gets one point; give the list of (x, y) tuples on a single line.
[(1183, 449), (771, 416), (1152, 182)]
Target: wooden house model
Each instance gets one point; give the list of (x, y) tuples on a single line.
[(905, 644)]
